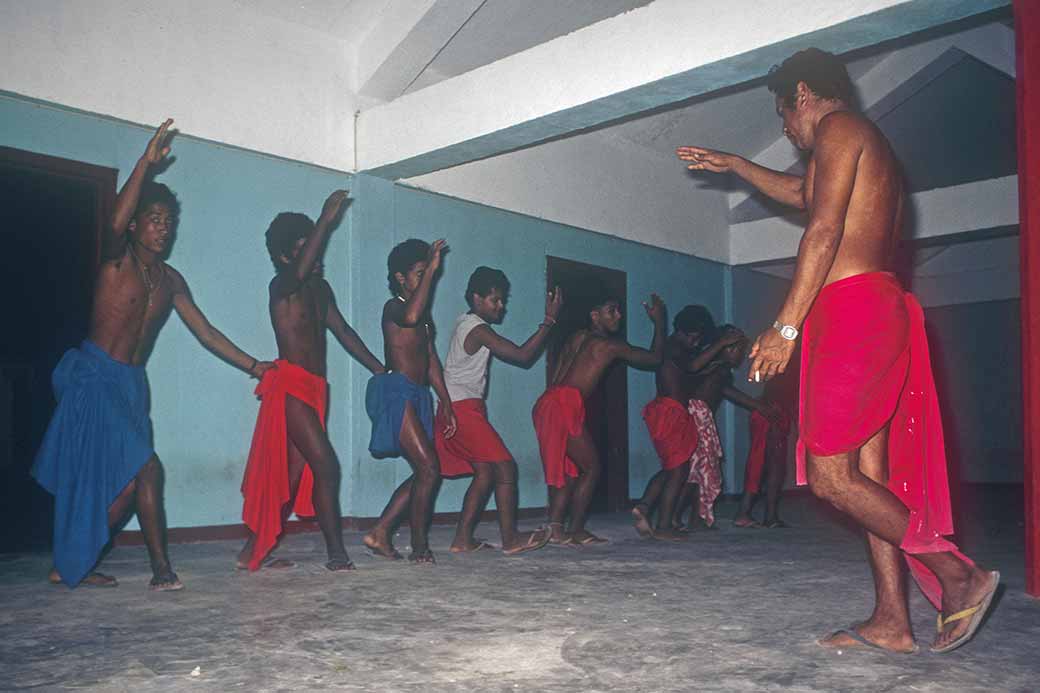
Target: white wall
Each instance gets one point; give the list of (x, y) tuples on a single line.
[(236, 77)]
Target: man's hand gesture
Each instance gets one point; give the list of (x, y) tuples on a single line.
[(158, 147), (655, 309), (769, 355), (433, 257), (553, 303), (702, 159), (333, 206)]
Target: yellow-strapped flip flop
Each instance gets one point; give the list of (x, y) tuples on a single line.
[(975, 613)]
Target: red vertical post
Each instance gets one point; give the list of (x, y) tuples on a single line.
[(1027, 78)]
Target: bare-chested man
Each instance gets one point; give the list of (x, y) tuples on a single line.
[(672, 429), (97, 457), (292, 465), (569, 455), (869, 418), (399, 402)]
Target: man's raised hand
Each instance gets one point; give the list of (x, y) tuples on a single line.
[(334, 205), (655, 309), (158, 146), (433, 256), (702, 159), (553, 303)]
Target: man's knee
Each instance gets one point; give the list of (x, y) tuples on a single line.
[(828, 478), (428, 471), (505, 472), (150, 473)]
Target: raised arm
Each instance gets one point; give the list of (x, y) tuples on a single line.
[(414, 309), (435, 372), (647, 358), (126, 201), (210, 336), (783, 187), (349, 338), (838, 149), (484, 336), (302, 266), (707, 355)]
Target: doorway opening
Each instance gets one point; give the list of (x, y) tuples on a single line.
[(52, 212), (606, 409)]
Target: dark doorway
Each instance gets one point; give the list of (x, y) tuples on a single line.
[(51, 215), (606, 409)]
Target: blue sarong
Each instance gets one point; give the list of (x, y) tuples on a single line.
[(385, 400), (97, 441)]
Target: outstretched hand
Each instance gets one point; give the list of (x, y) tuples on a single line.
[(334, 205), (702, 159), (553, 303), (434, 255), (655, 308), (769, 356), (158, 147)]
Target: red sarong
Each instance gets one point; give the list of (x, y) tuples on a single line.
[(865, 363), (558, 414), (265, 485), (475, 440), (672, 430), (764, 435)]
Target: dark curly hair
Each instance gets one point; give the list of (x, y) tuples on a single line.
[(283, 233), (821, 71), (483, 280), (401, 259), (157, 193)]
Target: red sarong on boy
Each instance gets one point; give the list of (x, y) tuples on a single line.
[(865, 363), (558, 414), (672, 430), (764, 435), (475, 440), (265, 485)]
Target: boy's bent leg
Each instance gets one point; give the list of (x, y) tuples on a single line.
[(152, 516), (419, 452), (644, 508), (673, 483), (379, 539), (583, 451), (776, 473), (472, 508), (296, 465), (310, 439), (118, 511)]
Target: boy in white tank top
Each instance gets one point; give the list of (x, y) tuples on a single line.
[(476, 448)]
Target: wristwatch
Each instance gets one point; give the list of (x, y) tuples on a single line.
[(788, 332)]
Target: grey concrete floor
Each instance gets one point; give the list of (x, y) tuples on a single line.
[(729, 610)]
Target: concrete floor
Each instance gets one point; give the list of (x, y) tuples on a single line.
[(730, 610)]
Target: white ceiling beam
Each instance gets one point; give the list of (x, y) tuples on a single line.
[(654, 56), (941, 212), (407, 37)]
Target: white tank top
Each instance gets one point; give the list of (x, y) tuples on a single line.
[(465, 375)]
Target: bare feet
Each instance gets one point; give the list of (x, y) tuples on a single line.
[(472, 546), (670, 535), (93, 579), (422, 557), (337, 565), (642, 522), (528, 541), (896, 639), (379, 544), (165, 580), (964, 610)]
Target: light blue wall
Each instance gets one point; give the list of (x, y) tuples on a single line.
[(204, 410)]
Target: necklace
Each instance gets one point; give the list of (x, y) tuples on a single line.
[(145, 275)]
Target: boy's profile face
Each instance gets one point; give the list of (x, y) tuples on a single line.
[(153, 227), (608, 316), (688, 341), (490, 308), (409, 282)]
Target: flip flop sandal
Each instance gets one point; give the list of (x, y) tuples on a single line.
[(976, 613)]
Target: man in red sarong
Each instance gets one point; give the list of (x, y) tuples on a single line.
[(870, 434), (672, 429), (291, 457), (569, 454)]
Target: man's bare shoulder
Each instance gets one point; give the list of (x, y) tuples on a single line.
[(176, 278), (846, 128)]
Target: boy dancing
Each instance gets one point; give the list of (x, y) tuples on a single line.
[(292, 466), (97, 457), (569, 455), (398, 402), (476, 448)]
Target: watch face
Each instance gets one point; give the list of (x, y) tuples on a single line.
[(788, 332)]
